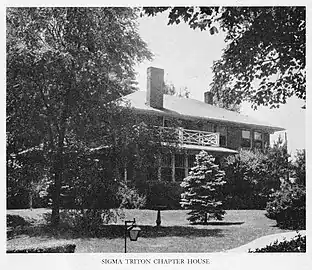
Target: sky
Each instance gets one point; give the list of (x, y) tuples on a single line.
[(187, 56)]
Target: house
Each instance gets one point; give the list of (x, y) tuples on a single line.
[(198, 125)]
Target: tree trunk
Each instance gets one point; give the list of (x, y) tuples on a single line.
[(58, 169), (55, 218)]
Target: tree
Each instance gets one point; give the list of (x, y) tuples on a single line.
[(64, 67), (202, 190), (264, 59), (226, 105), (170, 89)]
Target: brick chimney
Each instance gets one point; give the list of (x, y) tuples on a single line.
[(208, 97), (155, 82)]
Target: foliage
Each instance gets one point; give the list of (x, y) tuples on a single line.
[(130, 197), (57, 247), (15, 221), (226, 104), (87, 222), (279, 166), (299, 167), (62, 76), (170, 89), (288, 207), (157, 193), (26, 178), (249, 183), (297, 244), (264, 59), (202, 194)]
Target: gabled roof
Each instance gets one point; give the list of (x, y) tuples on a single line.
[(190, 108)]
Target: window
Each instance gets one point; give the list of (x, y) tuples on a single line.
[(208, 127), (179, 167), (223, 135), (246, 138), (166, 168), (258, 139)]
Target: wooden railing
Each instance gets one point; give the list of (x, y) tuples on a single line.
[(192, 137)]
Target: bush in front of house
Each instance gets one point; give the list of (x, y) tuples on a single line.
[(246, 178), (297, 244), (158, 193), (57, 247), (288, 207), (130, 198), (252, 176)]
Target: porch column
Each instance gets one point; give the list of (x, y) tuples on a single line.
[(159, 168), (173, 166), (186, 164)]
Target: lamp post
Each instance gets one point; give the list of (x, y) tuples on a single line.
[(158, 218), (133, 230)]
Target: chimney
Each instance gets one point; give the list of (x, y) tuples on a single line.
[(155, 82), (208, 97)]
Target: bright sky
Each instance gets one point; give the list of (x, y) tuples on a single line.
[(187, 56)]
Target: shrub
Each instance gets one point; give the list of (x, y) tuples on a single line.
[(297, 244), (15, 221), (243, 173), (251, 179), (87, 222), (161, 193), (288, 207), (130, 198), (56, 247)]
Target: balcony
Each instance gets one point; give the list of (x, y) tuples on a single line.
[(190, 137)]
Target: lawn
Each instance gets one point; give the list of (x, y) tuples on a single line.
[(175, 235)]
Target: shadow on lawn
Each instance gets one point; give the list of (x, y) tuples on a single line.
[(117, 231), (220, 223)]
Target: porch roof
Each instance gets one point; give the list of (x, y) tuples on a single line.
[(209, 148)]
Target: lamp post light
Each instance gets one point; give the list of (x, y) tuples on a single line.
[(133, 230)]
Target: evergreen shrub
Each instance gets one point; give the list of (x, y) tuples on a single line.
[(202, 190)]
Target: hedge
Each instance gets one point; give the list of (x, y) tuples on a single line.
[(297, 244), (55, 247)]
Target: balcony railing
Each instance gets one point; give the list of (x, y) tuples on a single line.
[(191, 137)]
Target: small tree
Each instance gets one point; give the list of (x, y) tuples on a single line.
[(202, 190)]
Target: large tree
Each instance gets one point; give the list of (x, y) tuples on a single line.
[(64, 67), (264, 58)]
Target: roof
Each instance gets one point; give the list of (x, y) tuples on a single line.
[(191, 108)]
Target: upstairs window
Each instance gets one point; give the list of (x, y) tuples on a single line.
[(258, 140), (246, 138), (223, 135)]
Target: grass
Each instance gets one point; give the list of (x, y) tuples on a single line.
[(175, 235)]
